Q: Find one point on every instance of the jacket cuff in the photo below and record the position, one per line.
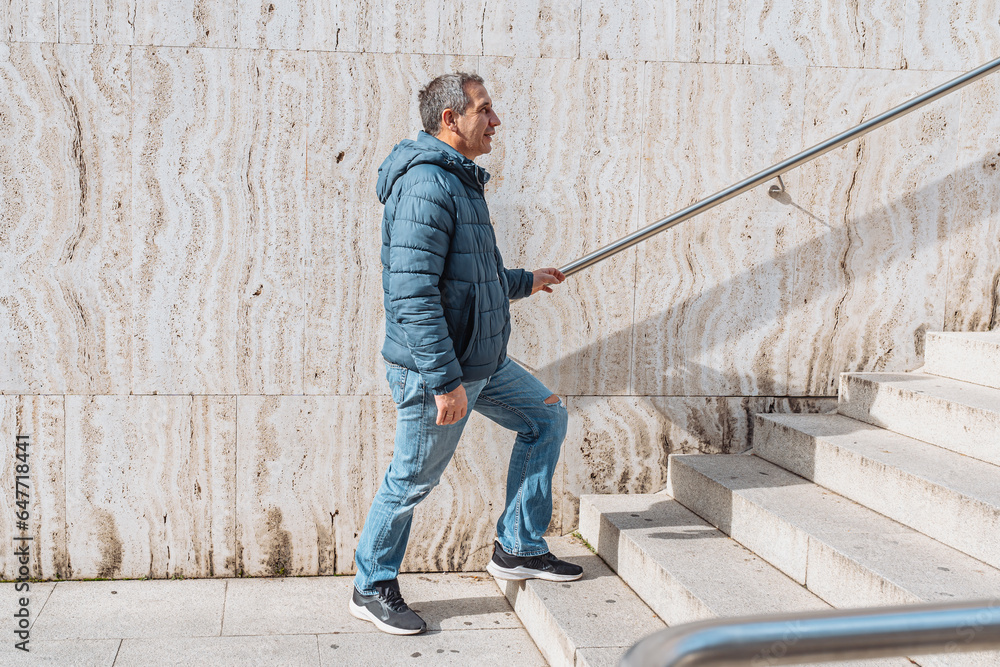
(527, 282)
(448, 388)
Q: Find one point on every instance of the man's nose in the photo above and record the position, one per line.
(495, 120)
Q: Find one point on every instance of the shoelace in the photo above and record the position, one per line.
(394, 600)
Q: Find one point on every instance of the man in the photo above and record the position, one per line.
(447, 324)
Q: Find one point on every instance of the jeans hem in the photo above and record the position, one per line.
(527, 554)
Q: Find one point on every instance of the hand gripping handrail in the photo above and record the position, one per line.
(826, 636)
(780, 168)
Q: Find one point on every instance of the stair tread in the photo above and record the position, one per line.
(927, 569)
(941, 467)
(988, 337)
(729, 579)
(971, 395)
(726, 578)
(599, 657)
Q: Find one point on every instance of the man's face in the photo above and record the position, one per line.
(477, 125)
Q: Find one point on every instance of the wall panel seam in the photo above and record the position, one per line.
(131, 204)
(237, 552)
(65, 502)
(638, 212)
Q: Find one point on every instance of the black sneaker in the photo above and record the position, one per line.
(387, 610)
(546, 566)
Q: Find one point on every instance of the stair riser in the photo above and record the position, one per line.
(689, 572)
(964, 523)
(543, 628)
(832, 576)
(960, 428)
(839, 581)
(774, 540)
(962, 359)
(601, 534)
(589, 622)
(664, 595)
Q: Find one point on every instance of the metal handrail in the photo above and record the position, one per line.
(827, 636)
(780, 168)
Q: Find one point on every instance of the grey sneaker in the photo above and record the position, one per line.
(545, 566)
(387, 610)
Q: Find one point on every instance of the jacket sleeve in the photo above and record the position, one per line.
(519, 281)
(422, 227)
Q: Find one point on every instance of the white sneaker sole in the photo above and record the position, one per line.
(365, 615)
(521, 573)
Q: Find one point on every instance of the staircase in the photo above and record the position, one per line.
(895, 499)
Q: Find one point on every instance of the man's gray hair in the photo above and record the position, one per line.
(445, 92)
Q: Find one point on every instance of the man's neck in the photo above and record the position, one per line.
(453, 140)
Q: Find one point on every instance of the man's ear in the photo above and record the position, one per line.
(448, 119)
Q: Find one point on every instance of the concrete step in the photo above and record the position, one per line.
(956, 415)
(967, 356)
(953, 498)
(685, 569)
(847, 554)
(586, 623)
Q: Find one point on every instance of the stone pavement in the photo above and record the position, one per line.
(282, 621)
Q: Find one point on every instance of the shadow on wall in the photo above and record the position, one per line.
(855, 334)
(622, 445)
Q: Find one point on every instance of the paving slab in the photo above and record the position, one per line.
(257, 651)
(37, 595)
(287, 621)
(133, 608)
(289, 605)
(294, 605)
(685, 569)
(953, 498)
(506, 647)
(967, 356)
(855, 557)
(597, 611)
(458, 601)
(62, 653)
(959, 416)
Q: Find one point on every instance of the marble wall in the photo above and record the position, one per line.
(190, 301)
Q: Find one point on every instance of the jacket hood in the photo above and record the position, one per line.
(426, 149)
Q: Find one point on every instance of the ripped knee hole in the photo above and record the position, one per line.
(552, 400)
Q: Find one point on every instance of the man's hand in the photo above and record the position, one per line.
(451, 406)
(546, 277)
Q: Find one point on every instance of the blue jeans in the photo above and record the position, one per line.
(511, 397)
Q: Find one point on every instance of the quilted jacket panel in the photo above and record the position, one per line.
(446, 290)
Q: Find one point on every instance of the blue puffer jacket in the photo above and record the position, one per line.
(447, 311)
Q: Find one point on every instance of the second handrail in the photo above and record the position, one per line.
(834, 635)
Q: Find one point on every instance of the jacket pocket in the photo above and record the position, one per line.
(472, 325)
